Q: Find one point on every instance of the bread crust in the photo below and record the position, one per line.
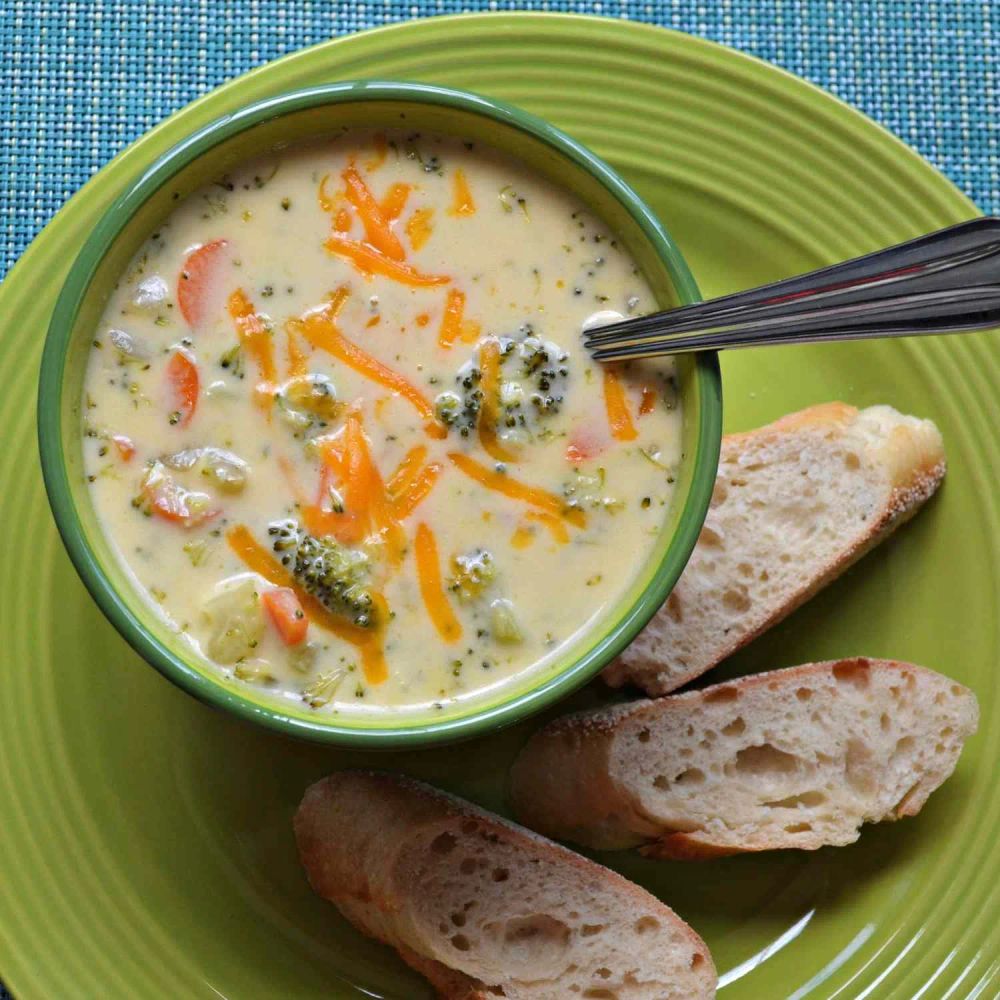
(913, 457)
(615, 818)
(351, 829)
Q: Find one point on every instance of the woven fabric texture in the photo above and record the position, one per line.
(80, 80)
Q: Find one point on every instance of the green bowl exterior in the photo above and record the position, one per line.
(286, 119)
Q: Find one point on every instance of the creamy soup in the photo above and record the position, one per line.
(340, 427)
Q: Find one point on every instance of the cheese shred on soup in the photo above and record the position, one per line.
(340, 427)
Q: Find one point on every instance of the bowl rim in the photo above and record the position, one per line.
(174, 666)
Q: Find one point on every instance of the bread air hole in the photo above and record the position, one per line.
(500, 874)
(735, 728)
(599, 993)
(603, 972)
(589, 930)
(852, 461)
(535, 943)
(692, 776)
(444, 843)
(854, 672)
(645, 924)
(799, 828)
(697, 960)
(736, 600)
(763, 760)
(807, 800)
(722, 694)
(461, 942)
(709, 537)
(803, 694)
(644, 736)
(859, 767)
(674, 609)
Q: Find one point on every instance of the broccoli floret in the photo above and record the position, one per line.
(473, 572)
(330, 572)
(544, 365)
(533, 375)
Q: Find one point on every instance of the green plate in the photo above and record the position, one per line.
(145, 846)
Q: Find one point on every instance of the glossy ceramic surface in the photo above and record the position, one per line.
(307, 114)
(145, 848)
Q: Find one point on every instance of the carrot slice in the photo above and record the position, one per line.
(368, 260)
(256, 338)
(502, 483)
(286, 614)
(461, 202)
(394, 201)
(369, 642)
(377, 231)
(489, 411)
(182, 374)
(431, 587)
(419, 228)
(619, 419)
(168, 499)
(197, 273)
(322, 332)
(297, 364)
(648, 402)
(454, 325)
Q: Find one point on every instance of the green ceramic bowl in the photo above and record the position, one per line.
(309, 114)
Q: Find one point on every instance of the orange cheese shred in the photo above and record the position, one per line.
(491, 479)
(369, 260)
(431, 586)
(616, 405)
(462, 203)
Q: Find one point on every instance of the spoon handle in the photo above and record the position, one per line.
(945, 282)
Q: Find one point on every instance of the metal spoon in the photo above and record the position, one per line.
(945, 282)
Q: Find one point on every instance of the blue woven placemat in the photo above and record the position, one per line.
(80, 80)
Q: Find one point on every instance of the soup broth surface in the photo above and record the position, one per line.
(340, 427)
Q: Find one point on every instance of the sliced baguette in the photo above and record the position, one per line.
(485, 909)
(793, 758)
(795, 504)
